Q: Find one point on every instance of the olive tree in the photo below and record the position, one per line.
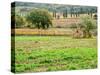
(87, 24)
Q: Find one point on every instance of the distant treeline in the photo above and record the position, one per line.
(57, 7)
(57, 10)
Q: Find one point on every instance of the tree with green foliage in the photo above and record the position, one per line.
(54, 14)
(40, 18)
(19, 21)
(87, 24)
(65, 13)
(71, 11)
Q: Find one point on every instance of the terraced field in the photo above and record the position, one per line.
(53, 53)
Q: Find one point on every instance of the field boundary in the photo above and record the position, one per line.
(50, 32)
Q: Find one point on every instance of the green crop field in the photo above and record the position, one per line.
(53, 53)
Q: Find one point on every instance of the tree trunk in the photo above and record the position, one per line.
(84, 34)
(89, 35)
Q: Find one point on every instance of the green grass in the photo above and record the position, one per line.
(52, 53)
